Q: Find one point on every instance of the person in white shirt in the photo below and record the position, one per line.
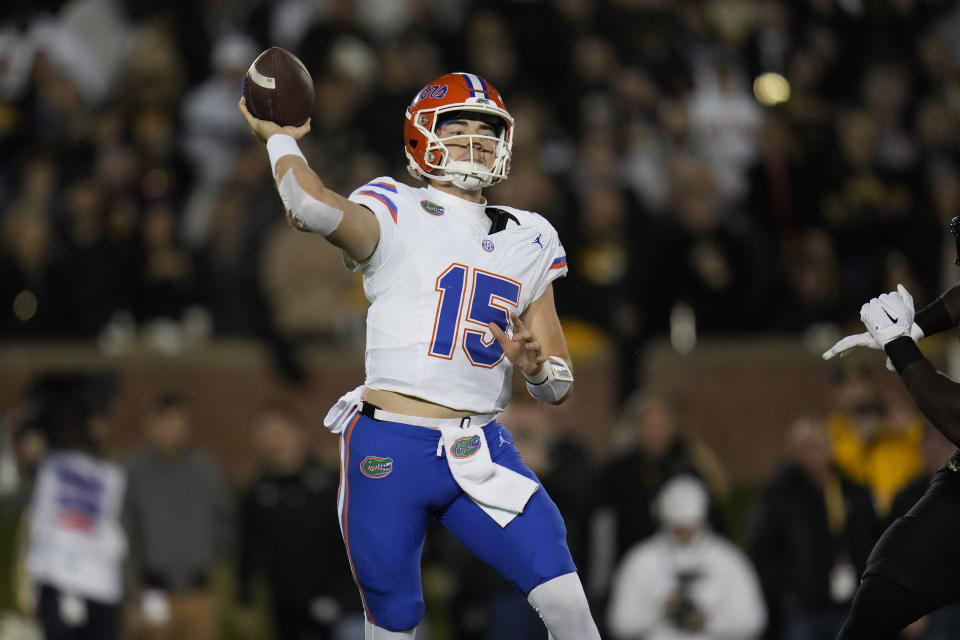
(76, 544)
(685, 582)
(461, 293)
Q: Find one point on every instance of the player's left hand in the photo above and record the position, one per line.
(890, 316)
(522, 348)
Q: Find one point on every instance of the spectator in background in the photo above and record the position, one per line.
(29, 443)
(809, 294)
(290, 534)
(604, 246)
(779, 201)
(874, 442)
(702, 255)
(33, 280)
(725, 121)
(94, 277)
(165, 284)
(212, 134)
(811, 531)
(685, 581)
(76, 545)
(181, 524)
(865, 207)
(651, 451)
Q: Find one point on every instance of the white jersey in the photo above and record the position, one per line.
(436, 278)
(76, 542)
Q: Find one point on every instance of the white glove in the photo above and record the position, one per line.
(845, 345)
(888, 317)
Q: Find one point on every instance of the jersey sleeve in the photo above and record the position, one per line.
(381, 197)
(554, 264)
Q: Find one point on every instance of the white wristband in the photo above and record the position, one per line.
(552, 382)
(279, 145)
(307, 213)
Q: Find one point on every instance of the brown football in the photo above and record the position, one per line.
(279, 88)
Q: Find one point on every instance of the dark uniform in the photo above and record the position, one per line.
(911, 570)
(290, 533)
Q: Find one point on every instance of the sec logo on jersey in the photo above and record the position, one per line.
(487, 245)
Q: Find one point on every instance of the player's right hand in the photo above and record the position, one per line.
(263, 129)
(845, 345)
(889, 316)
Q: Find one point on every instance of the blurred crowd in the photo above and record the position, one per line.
(713, 166)
(158, 542)
(717, 167)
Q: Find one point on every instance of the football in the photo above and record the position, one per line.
(278, 88)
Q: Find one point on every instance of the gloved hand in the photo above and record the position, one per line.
(847, 344)
(888, 317)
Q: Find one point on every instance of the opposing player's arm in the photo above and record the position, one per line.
(936, 396)
(941, 314)
(309, 204)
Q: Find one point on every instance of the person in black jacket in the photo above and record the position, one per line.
(655, 448)
(913, 568)
(290, 534)
(810, 534)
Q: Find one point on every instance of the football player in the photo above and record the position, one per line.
(913, 569)
(460, 294)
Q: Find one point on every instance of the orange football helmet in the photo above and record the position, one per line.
(427, 156)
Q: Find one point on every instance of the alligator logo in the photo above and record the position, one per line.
(431, 207)
(465, 447)
(374, 467)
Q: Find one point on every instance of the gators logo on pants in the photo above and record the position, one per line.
(465, 447)
(374, 467)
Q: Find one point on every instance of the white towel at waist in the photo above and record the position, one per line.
(340, 413)
(501, 492)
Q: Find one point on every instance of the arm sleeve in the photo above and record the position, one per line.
(379, 196)
(941, 314)
(936, 395)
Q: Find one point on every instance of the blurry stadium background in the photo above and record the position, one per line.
(731, 179)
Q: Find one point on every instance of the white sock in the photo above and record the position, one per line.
(373, 632)
(562, 605)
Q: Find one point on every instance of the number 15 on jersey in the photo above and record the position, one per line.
(489, 296)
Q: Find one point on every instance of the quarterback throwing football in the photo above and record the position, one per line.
(460, 293)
